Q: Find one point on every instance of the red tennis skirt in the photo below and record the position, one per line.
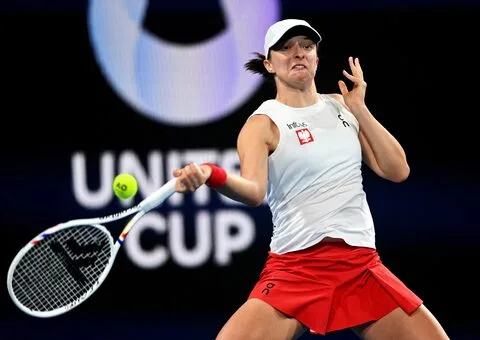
(332, 286)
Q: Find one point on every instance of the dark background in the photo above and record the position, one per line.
(422, 73)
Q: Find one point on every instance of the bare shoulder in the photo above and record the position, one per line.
(260, 118)
(258, 128)
(338, 97)
(258, 122)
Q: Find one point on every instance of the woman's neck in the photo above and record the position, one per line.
(297, 97)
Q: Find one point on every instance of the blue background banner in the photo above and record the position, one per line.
(144, 87)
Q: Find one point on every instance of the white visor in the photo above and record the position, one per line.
(278, 30)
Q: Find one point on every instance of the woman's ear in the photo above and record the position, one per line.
(268, 66)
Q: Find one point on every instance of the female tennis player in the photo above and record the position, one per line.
(304, 151)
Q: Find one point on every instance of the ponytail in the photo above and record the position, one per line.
(255, 65)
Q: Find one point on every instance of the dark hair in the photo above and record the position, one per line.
(255, 65)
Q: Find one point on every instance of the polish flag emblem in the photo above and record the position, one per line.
(304, 136)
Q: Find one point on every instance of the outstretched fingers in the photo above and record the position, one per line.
(355, 67)
(356, 76)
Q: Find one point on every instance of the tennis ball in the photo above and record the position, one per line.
(125, 186)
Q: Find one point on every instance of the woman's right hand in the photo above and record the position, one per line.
(191, 177)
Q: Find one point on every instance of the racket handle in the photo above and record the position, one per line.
(158, 196)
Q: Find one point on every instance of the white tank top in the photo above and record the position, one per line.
(314, 177)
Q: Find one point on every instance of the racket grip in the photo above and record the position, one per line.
(158, 196)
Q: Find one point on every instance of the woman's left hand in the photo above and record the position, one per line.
(356, 96)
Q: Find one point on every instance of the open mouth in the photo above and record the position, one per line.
(298, 67)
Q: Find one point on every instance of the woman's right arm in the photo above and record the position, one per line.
(253, 146)
(253, 143)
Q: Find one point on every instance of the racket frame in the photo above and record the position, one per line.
(150, 202)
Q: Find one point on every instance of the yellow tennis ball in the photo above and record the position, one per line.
(125, 186)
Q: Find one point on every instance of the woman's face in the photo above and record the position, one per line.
(295, 62)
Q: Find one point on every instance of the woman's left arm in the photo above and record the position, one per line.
(381, 151)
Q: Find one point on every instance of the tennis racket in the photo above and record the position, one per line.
(64, 265)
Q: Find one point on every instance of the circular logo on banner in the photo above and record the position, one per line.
(182, 85)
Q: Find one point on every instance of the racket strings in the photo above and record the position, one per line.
(62, 268)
